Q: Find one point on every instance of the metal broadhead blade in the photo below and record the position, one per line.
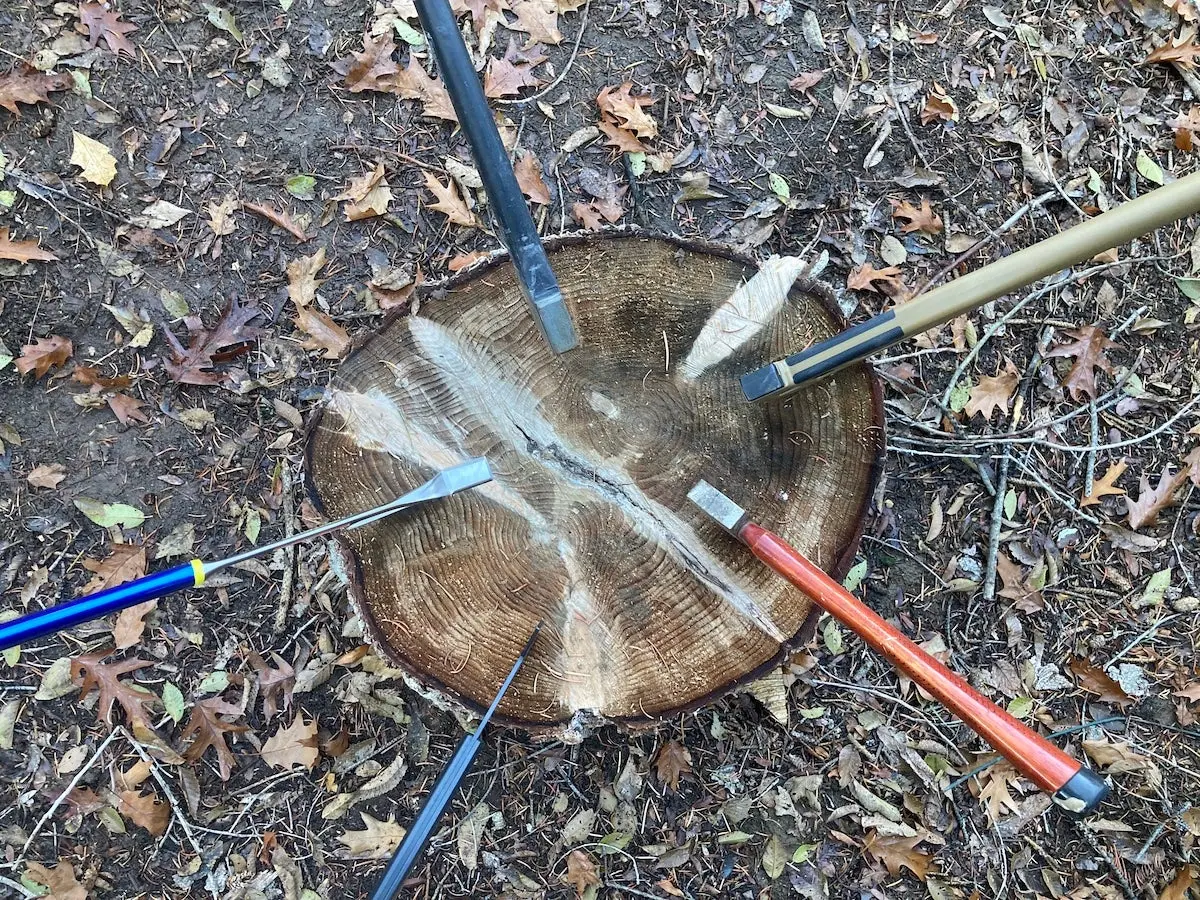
(472, 473)
(727, 513)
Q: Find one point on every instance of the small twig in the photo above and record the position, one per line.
(1089, 475)
(1094, 843)
(58, 801)
(289, 553)
(1172, 815)
(1144, 636)
(989, 573)
(18, 887)
(1066, 502)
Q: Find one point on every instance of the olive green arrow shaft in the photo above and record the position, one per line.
(1120, 225)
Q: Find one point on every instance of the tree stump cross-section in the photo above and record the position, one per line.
(649, 608)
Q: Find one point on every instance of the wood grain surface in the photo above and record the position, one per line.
(649, 608)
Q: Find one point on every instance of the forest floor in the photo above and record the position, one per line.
(294, 155)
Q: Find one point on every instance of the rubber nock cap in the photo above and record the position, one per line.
(1082, 793)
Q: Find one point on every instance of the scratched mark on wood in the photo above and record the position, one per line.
(649, 607)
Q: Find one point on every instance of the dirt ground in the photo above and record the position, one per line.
(774, 128)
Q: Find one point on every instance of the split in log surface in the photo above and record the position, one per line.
(649, 607)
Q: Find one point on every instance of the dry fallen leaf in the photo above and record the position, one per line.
(127, 409)
(992, 392)
(22, 251)
(1191, 466)
(367, 195)
(295, 745)
(374, 68)
(806, 81)
(449, 203)
(581, 872)
(102, 22)
(1151, 502)
(672, 762)
(538, 19)
(1180, 887)
(97, 162)
(60, 880)
(922, 219)
(1094, 680)
(131, 624)
(125, 563)
(414, 83)
(1183, 53)
(505, 79)
(1105, 485)
(939, 106)
(898, 853)
(275, 684)
(1016, 586)
(1117, 757)
(465, 260)
(193, 365)
(207, 729)
(145, 810)
(302, 278)
(277, 217)
(47, 475)
(529, 177)
(220, 215)
(994, 790)
(622, 109)
(1088, 350)
(378, 840)
(90, 671)
(865, 276)
(45, 354)
(324, 334)
(27, 85)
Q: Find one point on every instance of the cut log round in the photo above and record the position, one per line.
(649, 608)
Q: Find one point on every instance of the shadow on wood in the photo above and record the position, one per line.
(649, 609)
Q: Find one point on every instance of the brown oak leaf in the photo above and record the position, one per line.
(194, 365)
(302, 278)
(993, 392)
(539, 20)
(1180, 887)
(275, 684)
(127, 409)
(378, 840)
(27, 85)
(806, 81)
(1191, 466)
(922, 218)
(207, 729)
(47, 353)
(131, 624)
(505, 79)
(414, 83)
(1088, 352)
(939, 106)
(1016, 585)
(589, 215)
(864, 278)
(898, 853)
(90, 671)
(291, 746)
(529, 177)
(125, 563)
(373, 69)
(366, 196)
(673, 761)
(324, 334)
(581, 872)
(21, 251)
(621, 108)
(1151, 502)
(995, 790)
(625, 141)
(1094, 680)
(146, 810)
(449, 203)
(1183, 53)
(1105, 485)
(479, 10)
(61, 881)
(102, 22)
